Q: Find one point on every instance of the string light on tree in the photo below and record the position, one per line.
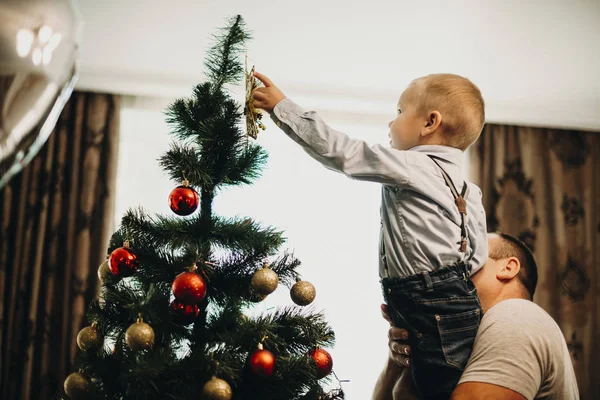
(183, 200)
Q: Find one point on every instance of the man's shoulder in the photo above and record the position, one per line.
(520, 346)
(521, 310)
(524, 319)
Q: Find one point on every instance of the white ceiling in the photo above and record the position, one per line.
(537, 62)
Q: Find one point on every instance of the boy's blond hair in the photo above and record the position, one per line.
(460, 103)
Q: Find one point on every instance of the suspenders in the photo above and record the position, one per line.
(461, 202)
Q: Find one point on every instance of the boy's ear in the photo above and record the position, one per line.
(432, 122)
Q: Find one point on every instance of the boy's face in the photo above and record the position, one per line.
(405, 130)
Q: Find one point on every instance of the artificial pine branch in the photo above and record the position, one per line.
(245, 235)
(172, 233)
(222, 61)
(182, 161)
(247, 167)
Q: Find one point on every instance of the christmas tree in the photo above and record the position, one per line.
(169, 322)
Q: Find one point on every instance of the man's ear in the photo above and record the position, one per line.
(432, 122)
(510, 268)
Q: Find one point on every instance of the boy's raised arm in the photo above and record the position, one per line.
(334, 149)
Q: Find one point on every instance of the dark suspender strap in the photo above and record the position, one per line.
(460, 201)
(446, 177)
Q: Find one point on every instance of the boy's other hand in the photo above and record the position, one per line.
(398, 341)
(266, 97)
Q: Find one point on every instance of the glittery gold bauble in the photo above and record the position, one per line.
(264, 281)
(103, 271)
(217, 389)
(89, 339)
(139, 336)
(303, 293)
(77, 386)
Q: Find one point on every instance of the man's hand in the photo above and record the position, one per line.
(266, 97)
(398, 341)
(395, 381)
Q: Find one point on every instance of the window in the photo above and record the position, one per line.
(331, 224)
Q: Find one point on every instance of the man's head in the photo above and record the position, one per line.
(510, 272)
(441, 109)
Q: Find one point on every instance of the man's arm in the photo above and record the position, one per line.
(395, 381)
(386, 382)
(481, 391)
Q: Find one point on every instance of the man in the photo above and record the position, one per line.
(519, 352)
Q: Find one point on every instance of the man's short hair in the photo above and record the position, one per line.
(460, 103)
(510, 246)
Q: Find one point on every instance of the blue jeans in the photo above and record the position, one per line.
(442, 312)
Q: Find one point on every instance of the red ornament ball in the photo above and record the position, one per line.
(183, 200)
(323, 360)
(262, 362)
(184, 314)
(189, 288)
(123, 262)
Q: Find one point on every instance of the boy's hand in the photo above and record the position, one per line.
(266, 97)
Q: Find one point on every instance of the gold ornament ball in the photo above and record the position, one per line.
(77, 386)
(106, 276)
(217, 389)
(103, 271)
(265, 281)
(89, 339)
(303, 293)
(139, 336)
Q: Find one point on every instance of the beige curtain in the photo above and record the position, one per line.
(543, 185)
(55, 222)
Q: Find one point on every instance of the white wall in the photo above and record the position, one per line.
(536, 61)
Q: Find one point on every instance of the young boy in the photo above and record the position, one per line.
(428, 246)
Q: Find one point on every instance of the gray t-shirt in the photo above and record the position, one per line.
(520, 347)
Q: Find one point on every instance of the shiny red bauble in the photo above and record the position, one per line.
(262, 362)
(183, 200)
(123, 262)
(323, 360)
(184, 314)
(189, 288)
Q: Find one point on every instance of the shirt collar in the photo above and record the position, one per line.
(451, 154)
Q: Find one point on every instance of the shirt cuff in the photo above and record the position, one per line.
(288, 113)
